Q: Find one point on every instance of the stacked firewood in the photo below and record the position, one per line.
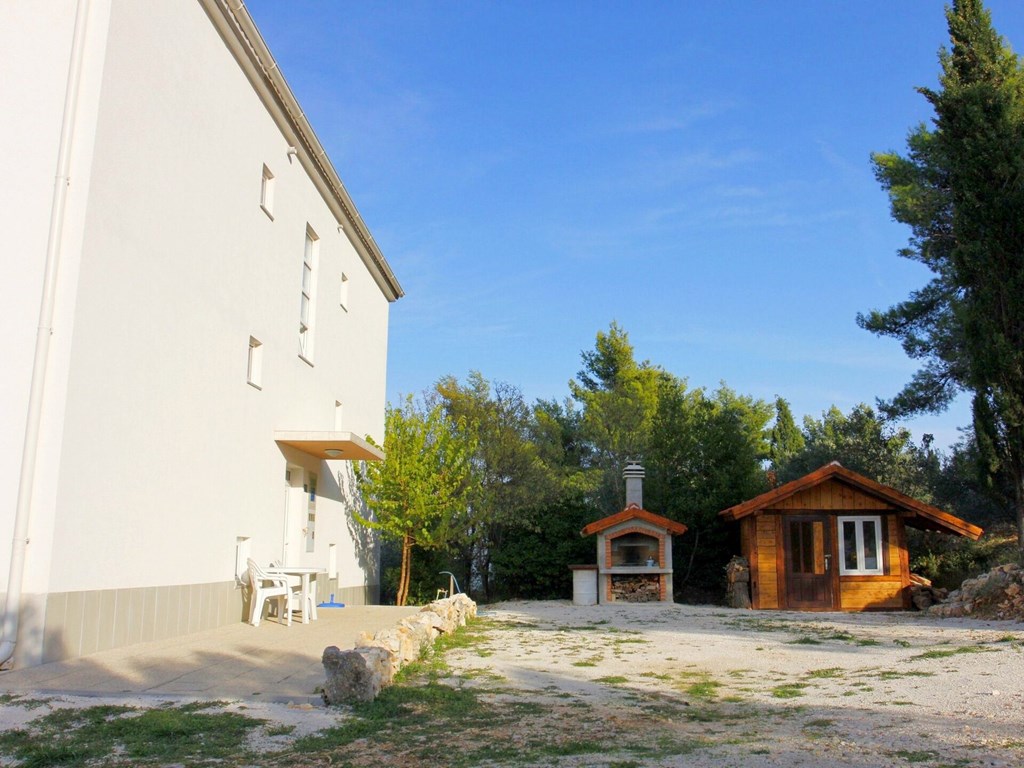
(636, 589)
(923, 594)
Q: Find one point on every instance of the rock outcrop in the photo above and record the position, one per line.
(359, 674)
(998, 594)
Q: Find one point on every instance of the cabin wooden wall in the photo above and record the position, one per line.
(761, 543)
(831, 496)
(889, 591)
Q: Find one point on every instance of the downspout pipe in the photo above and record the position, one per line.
(44, 331)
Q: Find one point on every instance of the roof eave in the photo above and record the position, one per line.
(239, 31)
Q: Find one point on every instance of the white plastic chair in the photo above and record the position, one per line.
(295, 600)
(266, 586)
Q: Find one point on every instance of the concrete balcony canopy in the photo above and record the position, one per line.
(330, 446)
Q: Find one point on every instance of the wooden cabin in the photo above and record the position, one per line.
(834, 540)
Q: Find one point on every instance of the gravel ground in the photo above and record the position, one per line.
(764, 688)
(626, 686)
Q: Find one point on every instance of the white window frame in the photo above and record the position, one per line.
(267, 192)
(307, 303)
(343, 292)
(254, 369)
(859, 522)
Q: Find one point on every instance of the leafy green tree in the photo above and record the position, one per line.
(864, 442)
(785, 440)
(508, 474)
(417, 491)
(534, 562)
(960, 188)
(706, 454)
(619, 398)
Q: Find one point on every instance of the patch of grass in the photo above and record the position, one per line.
(612, 680)
(656, 675)
(901, 643)
(827, 672)
(838, 635)
(281, 729)
(821, 722)
(944, 653)
(77, 737)
(403, 711)
(586, 662)
(805, 640)
(704, 690)
(788, 690)
(866, 641)
(17, 700)
(891, 674)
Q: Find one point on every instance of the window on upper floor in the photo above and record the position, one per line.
(307, 302)
(343, 293)
(860, 546)
(254, 374)
(267, 193)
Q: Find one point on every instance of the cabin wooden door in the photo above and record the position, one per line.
(808, 554)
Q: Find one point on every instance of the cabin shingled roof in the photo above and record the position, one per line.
(922, 515)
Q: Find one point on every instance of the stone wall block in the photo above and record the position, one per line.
(356, 675)
(359, 674)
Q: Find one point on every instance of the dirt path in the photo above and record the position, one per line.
(703, 686)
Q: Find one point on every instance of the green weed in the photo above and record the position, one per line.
(828, 672)
(944, 653)
(788, 690)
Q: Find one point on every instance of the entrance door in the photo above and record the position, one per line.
(295, 516)
(808, 544)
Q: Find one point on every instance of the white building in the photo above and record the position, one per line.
(212, 327)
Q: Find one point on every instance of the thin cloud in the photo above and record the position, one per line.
(679, 122)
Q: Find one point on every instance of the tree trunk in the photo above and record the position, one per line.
(403, 578)
(1019, 509)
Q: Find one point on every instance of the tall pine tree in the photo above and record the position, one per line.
(961, 190)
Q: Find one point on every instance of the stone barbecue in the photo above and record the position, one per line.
(634, 549)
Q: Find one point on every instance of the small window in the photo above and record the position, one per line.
(311, 514)
(306, 302)
(267, 193)
(343, 295)
(254, 374)
(860, 546)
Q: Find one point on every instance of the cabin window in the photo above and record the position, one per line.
(860, 546)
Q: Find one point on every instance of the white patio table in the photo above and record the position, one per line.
(307, 573)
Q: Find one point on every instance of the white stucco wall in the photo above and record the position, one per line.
(163, 455)
(35, 43)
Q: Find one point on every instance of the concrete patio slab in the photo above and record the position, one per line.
(271, 662)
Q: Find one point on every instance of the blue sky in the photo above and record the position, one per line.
(696, 171)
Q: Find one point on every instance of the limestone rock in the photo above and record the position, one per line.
(356, 675)
(998, 594)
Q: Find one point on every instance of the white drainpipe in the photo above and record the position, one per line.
(30, 449)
